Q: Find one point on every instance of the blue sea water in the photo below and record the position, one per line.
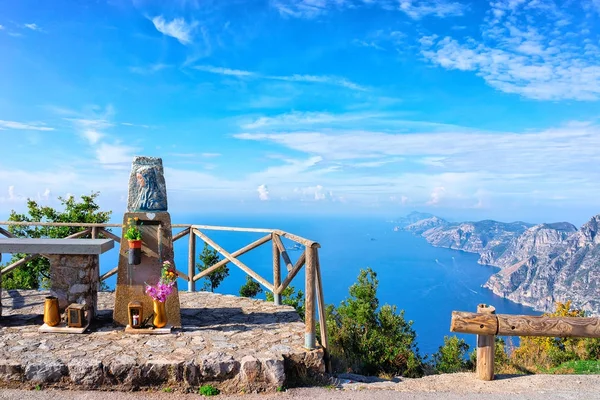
(425, 281)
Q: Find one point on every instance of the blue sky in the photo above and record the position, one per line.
(469, 109)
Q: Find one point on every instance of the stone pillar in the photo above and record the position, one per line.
(147, 203)
(74, 279)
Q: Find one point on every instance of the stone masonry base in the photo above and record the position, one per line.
(235, 344)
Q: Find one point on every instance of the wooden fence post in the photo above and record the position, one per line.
(191, 262)
(485, 348)
(309, 304)
(276, 271)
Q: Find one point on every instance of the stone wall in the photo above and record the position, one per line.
(75, 280)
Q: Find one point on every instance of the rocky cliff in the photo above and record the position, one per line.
(540, 264)
(563, 267)
(489, 237)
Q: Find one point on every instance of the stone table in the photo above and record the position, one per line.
(74, 266)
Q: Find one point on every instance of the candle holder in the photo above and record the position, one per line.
(136, 314)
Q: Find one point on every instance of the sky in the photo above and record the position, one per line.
(466, 109)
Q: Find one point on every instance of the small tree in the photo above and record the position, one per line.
(451, 357)
(35, 273)
(208, 258)
(251, 288)
(371, 341)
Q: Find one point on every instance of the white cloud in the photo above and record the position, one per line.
(330, 80)
(527, 48)
(223, 71)
(11, 193)
(508, 164)
(93, 136)
(371, 43)
(24, 126)
(436, 195)
(90, 129)
(177, 28)
(150, 69)
(316, 193)
(294, 119)
(417, 9)
(263, 192)
(115, 155)
(1, 27)
(33, 27)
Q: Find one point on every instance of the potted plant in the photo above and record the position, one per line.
(160, 292)
(133, 235)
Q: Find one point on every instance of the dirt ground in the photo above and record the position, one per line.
(462, 386)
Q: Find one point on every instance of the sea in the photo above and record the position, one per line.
(427, 282)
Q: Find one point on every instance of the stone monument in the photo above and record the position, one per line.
(147, 202)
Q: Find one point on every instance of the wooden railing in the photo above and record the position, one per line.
(309, 258)
(486, 324)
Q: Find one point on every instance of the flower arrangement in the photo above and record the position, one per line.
(132, 232)
(165, 285)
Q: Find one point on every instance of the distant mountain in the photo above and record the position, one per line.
(490, 237)
(560, 267)
(411, 218)
(426, 224)
(540, 264)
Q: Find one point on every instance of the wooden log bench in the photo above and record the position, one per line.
(74, 266)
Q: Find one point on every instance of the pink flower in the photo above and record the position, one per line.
(160, 291)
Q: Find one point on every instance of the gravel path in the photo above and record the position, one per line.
(461, 386)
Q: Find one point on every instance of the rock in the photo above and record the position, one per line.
(45, 371)
(250, 369)
(10, 370)
(540, 264)
(122, 369)
(274, 371)
(162, 370)
(86, 372)
(564, 266)
(218, 366)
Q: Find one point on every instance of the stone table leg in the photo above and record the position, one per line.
(75, 279)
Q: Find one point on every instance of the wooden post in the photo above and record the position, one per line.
(485, 348)
(309, 304)
(94, 232)
(191, 262)
(276, 271)
(322, 316)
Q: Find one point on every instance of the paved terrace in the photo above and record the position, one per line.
(236, 344)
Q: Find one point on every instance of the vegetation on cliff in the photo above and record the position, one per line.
(35, 273)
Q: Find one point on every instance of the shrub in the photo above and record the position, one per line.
(251, 288)
(291, 298)
(541, 353)
(35, 273)
(368, 340)
(451, 356)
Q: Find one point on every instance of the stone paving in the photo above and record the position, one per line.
(236, 344)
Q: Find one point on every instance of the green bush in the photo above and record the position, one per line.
(370, 340)
(35, 273)
(208, 390)
(451, 356)
(291, 298)
(251, 288)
